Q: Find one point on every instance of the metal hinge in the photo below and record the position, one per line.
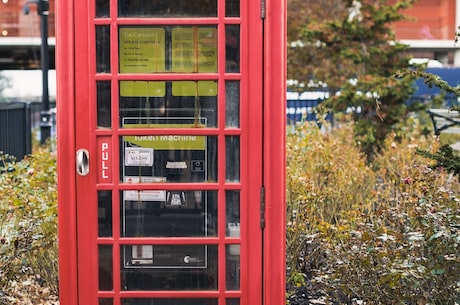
(262, 9)
(262, 207)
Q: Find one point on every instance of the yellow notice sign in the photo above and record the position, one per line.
(141, 50)
(169, 142)
(194, 49)
(142, 88)
(194, 88)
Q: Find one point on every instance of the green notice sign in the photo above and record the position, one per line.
(142, 50)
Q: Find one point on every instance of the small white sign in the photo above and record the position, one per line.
(142, 251)
(142, 255)
(146, 195)
(144, 179)
(176, 165)
(138, 156)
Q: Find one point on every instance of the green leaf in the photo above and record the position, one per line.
(436, 235)
(437, 271)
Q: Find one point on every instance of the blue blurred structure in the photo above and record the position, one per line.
(301, 106)
(425, 93)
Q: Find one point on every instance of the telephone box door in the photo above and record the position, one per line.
(161, 107)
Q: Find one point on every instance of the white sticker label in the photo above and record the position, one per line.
(142, 251)
(176, 165)
(146, 195)
(138, 156)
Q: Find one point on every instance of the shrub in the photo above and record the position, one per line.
(327, 182)
(28, 221)
(406, 252)
(398, 243)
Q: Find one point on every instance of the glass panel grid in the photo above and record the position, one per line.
(231, 10)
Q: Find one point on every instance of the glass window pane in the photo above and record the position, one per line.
(232, 102)
(105, 301)
(102, 8)
(105, 267)
(157, 49)
(105, 213)
(232, 8)
(169, 267)
(156, 104)
(232, 302)
(104, 112)
(232, 204)
(103, 48)
(167, 8)
(159, 213)
(232, 162)
(233, 267)
(168, 158)
(232, 48)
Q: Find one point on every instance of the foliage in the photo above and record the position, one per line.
(328, 43)
(317, 163)
(397, 244)
(28, 220)
(429, 79)
(445, 158)
(407, 253)
(354, 52)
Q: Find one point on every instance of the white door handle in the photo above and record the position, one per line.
(82, 162)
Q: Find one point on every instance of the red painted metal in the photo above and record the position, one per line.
(67, 227)
(274, 143)
(252, 146)
(262, 107)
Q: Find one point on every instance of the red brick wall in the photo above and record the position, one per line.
(434, 19)
(13, 22)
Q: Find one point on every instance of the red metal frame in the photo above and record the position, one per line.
(274, 143)
(67, 227)
(262, 70)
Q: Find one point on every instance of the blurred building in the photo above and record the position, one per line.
(431, 32)
(20, 39)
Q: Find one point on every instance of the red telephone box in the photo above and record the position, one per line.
(171, 132)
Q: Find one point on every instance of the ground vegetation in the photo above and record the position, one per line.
(387, 232)
(28, 229)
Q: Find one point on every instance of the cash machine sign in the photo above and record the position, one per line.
(138, 156)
